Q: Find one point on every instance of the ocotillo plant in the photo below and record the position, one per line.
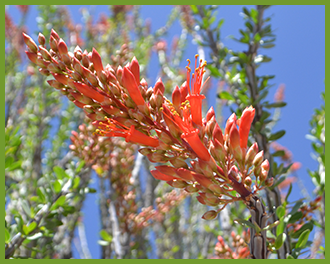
(198, 157)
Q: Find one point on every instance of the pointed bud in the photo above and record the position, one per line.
(230, 122)
(245, 125)
(160, 176)
(57, 85)
(210, 215)
(130, 84)
(30, 43)
(210, 114)
(159, 86)
(135, 69)
(97, 61)
(176, 97)
(53, 43)
(191, 188)
(41, 39)
(54, 34)
(61, 78)
(265, 165)
(177, 183)
(32, 56)
(258, 159)
(217, 134)
(62, 47)
(250, 155)
(89, 91)
(44, 53)
(269, 182)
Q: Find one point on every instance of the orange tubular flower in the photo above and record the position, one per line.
(245, 125)
(190, 134)
(132, 87)
(195, 98)
(113, 128)
(161, 176)
(89, 91)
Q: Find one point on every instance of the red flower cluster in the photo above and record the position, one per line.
(121, 104)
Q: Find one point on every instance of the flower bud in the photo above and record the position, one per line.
(177, 183)
(191, 188)
(250, 155)
(269, 182)
(176, 98)
(30, 43)
(210, 215)
(265, 165)
(97, 61)
(159, 86)
(41, 39)
(62, 47)
(258, 159)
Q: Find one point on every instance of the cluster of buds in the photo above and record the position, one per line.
(99, 152)
(239, 247)
(121, 104)
(113, 154)
(150, 215)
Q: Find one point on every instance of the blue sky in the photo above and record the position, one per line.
(298, 61)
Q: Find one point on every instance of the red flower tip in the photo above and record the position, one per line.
(30, 43)
(61, 78)
(159, 86)
(89, 91)
(217, 134)
(245, 125)
(54, 34)
(97, 61)
(234, 137)
(196, 144)
(184, 91)
(176, 97)
(32, 56)
(210, 114)
(135, 69)
(132, 87)
(161, 176)
(61, 46)
(231, 120)
(136, 136)
(185, 174)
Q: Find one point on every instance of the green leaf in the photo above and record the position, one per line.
(280, 240)
(303, 238)
(57, 186)
(307, 226)
(278, 153)
(226, 96)
(295, 217)
(7, 236)
(277, 104)
(254, 15)
(31, 227)
(276, 135)
(280, 211)
(60, 173)
(76, 182)
(59, 202)
(105, 236)
(243, 222)
(194, 9)
(40, 193)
